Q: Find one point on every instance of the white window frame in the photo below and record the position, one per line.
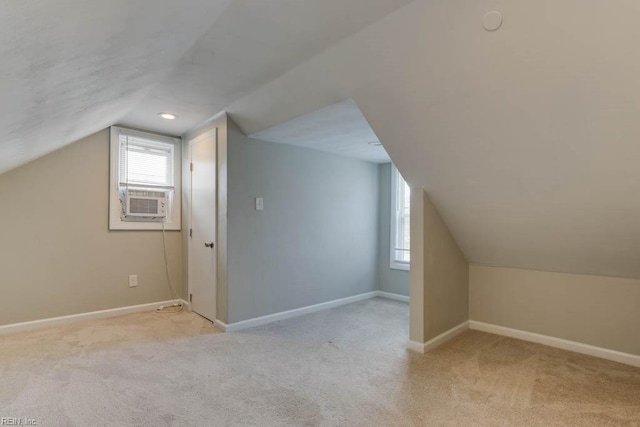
(174, 218)
(396, 180)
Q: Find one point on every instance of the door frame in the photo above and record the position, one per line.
(189, 194)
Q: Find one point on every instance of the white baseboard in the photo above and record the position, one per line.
(439, 340)
(416, 346)
(392, 296)
(603, 353)
(63, 320)
(221, 325)
(270, 318)
(446, 336)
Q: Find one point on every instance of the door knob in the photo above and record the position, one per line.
(208, 244)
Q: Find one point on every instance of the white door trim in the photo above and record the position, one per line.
(189, 194)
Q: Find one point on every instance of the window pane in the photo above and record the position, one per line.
(406, 238)
(147, 168)
(401, 240)
(406, 196)
(145, 162)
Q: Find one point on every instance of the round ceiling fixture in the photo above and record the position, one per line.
(492, 20)
(168, 116)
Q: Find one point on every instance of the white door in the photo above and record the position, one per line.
(202, 228)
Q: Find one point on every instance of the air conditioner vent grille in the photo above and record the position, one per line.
(143, 206)
(139, 205)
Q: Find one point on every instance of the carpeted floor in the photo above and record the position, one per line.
(342, 367)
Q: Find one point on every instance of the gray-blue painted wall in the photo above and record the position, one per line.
(316, 239)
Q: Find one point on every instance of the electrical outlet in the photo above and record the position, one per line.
(133, 280)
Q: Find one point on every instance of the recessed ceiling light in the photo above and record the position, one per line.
(168, 116)
(375, 143)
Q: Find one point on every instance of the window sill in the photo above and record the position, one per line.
(399, 266)
(143, 226)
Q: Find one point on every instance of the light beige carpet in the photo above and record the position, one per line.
(341, 367)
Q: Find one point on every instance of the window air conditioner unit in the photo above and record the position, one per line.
(143, 203)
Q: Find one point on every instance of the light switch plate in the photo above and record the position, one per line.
(133, 280)
(259, 203)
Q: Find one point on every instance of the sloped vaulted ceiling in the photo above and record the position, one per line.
(526, 138)
(69, 68)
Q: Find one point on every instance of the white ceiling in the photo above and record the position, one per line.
(527, 139)
(339, 129)
(72, 67)
(250, 44)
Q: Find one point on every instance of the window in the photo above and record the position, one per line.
(400, 221)
(145, 173)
